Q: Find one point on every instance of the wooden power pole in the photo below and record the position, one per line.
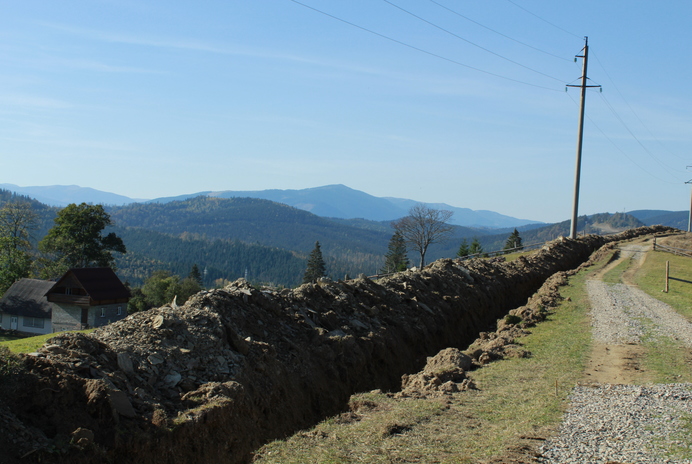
(580, 136)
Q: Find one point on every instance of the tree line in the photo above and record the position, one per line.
(84, 235)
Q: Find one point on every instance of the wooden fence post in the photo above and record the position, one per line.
(667, 275)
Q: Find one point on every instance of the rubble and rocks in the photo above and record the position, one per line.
(211, 380)
(444, 373)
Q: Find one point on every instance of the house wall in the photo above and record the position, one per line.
(66, 317)
(46, 329)
(105, 314)
(5, 323)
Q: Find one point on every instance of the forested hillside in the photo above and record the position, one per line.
(347, 249)
(677, 219)
(45, 213)
(269, 242)
(148, 251)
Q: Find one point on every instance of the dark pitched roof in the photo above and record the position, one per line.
(100, 283)
(27, 297)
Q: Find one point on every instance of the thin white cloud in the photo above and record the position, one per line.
(197, 45)
(33, 101)
(97, 66)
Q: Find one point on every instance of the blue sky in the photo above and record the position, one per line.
(438, 101)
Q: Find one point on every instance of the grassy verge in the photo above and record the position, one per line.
(516, 397)
(30, 344)
(7, 338)
(651, 279)
(614, 276)
(665, 360)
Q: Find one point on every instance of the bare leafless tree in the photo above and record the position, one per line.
(424, 226)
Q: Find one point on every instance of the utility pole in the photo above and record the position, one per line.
(580, 136)
(689, 219)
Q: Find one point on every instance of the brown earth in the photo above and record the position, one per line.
(212, 380)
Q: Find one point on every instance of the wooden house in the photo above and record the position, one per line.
(82, 298)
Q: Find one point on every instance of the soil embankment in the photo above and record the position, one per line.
(212, 380)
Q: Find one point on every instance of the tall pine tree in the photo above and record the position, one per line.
(464, 249)
(514, 242)
(316, 267)
(396, 258)
(196, 275)
(475, 248)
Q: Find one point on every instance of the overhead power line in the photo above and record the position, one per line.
(421, 50)
(545, 20)
(499, 33)
(634, 112)
(648, 152)
(469, 42)
(618, 148)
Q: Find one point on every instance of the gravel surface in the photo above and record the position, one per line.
(626, 423)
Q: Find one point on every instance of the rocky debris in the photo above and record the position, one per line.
(213, 379)
(502, 343)
(444, 373)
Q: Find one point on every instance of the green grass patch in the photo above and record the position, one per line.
(651, 278)
(680, 448)
(614, 276)
(4, 337)
(516, 397)
(519, 396)
(666, 360)
(31, 344)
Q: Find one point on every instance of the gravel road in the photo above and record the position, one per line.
(626, 423)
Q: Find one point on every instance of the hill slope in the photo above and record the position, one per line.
(340, 201)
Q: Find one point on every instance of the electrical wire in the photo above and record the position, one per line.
(648, 152)
(618, 148)
(500, 33)
(469, 42)
(545, 20)
(634, 112)
(421, 50)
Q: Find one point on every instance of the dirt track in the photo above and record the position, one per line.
(615, 358)
(611, 419)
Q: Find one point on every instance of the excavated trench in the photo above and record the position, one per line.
(233, 368)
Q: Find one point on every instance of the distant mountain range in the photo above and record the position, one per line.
(268, 241)
(63, 195)
(334, 201)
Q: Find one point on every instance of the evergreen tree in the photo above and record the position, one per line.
(316, 267)
(196, 275)
(475, 248)
(464, 249)
(396, 259)
(514, 242)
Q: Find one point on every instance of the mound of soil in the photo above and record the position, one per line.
(214, 379)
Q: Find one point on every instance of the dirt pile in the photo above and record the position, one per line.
(212, 380)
